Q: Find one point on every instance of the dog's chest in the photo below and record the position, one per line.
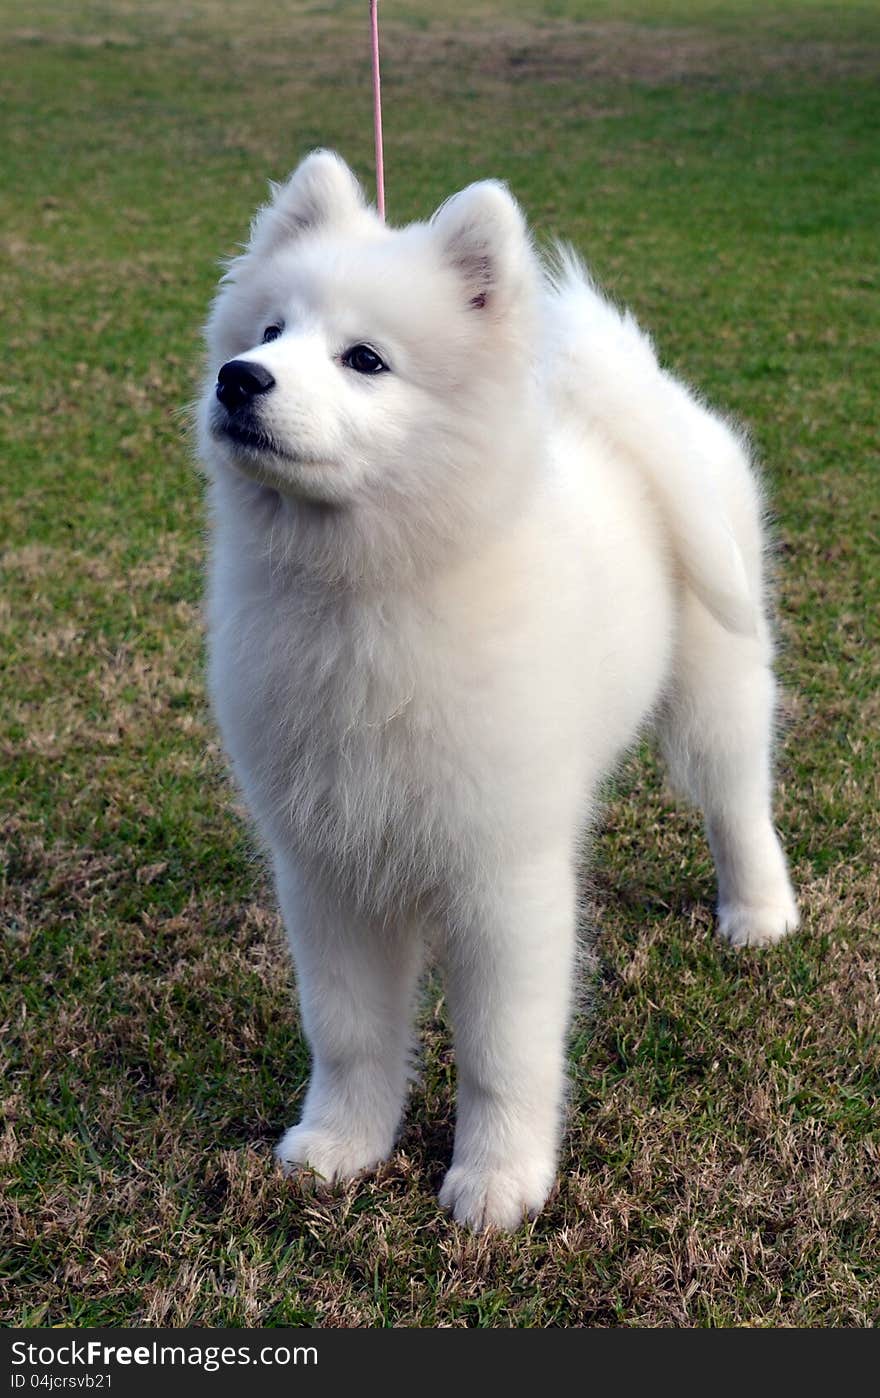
(348, 729)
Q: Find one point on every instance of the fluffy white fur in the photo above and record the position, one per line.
(443, 599)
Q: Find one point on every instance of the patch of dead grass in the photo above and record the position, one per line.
(496, 46)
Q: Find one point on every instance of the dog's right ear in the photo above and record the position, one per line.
(321, 192)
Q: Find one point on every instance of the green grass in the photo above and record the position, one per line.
(717, 166)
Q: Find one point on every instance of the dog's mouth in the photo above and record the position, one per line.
(262, 457)
(254, 438)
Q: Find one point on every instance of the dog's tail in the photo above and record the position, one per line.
(610, 368)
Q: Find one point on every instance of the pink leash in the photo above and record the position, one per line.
(377, 109)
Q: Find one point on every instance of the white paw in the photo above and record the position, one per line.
(307, 1148)
(495, 1198)
(743, 925)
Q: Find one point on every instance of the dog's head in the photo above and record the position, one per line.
(351, 364)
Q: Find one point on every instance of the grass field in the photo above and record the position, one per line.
(717, 165)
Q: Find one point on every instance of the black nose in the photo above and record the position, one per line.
(241, 380)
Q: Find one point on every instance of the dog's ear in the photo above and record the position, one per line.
(321, 192)
(483, 236)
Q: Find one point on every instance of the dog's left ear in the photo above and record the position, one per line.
(483, 235)
(321, 192)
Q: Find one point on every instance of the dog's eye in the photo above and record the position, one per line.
(271, 333)
(364, 360)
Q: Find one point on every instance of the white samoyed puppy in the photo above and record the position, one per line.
(467, 538)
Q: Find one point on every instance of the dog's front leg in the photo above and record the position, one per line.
(510, 972)
(356, 988)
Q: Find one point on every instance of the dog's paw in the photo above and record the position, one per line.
(305, 1148)
(761, 925)
(503, 1198)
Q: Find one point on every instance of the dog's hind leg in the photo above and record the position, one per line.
(717, 731)
(357, 986)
